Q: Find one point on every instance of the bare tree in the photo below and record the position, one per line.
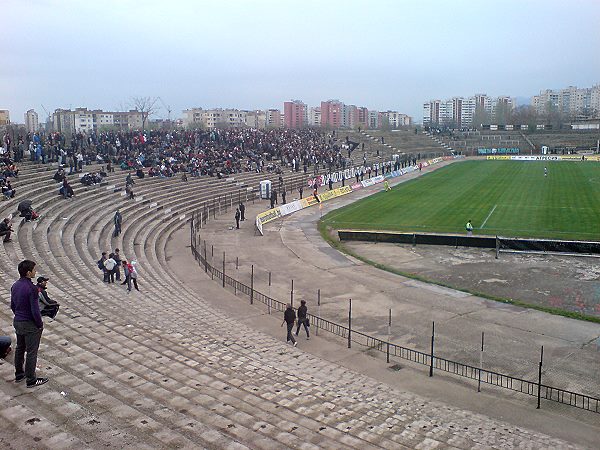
(146, 106)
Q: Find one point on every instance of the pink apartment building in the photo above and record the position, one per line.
(295, 114)
(331, 113)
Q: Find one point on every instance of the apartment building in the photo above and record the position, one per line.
(469, 111)
(84, 120)
(213, 118)
(256, 119)
(295, 114)
(31, 121)
(362, 117)
(331, 113)
(192, 117)
(314, 116)
(571, 101)
(397, 119)
(274, 118)
(374, 119)
(4, 117)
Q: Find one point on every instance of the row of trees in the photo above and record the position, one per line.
(527, 115)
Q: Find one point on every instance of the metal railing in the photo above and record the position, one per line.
(433, 361)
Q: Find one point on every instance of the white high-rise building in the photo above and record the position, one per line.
(314, 116)
(461, 112)
(31, 121)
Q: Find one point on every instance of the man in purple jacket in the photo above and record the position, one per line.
(24, 301)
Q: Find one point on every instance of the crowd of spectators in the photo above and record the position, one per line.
(218, 152)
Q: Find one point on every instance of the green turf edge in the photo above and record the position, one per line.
(325, 231)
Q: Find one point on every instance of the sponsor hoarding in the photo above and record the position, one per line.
(328, 195)
(535, 158)
(291, 207)
(498, 151)
(309, 201)
(269, 215)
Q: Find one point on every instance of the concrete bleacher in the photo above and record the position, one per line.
(568, 140)
(395, 142)
(468, 142)
(162, 368)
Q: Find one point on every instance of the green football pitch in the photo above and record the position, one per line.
(505, 198)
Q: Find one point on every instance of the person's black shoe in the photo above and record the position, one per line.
(19, 379)
(38, 382)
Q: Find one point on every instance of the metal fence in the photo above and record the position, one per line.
(430, 359)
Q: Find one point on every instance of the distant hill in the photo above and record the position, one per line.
(523, 100)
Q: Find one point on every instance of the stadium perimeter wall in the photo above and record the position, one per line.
(502, 244)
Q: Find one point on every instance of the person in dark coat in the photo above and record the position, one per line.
(303, 318)
(117, 221)
(242, 212)
(289, 318)
(6, 229)
(28, 323)
(237, 218)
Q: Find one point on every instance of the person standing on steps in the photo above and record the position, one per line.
(300, 190)
(303, 319)
(242, 211)
(25, 304)
(134, 274)
(117, 221)
(117, 258)
(101, 266)
(289, 318)
(110, 265)
(131, 275)
(127, 280)
(237, 218)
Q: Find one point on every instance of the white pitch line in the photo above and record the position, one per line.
(488, 216)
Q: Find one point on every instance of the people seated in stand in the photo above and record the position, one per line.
(28, 214)
(66, 190)
(6, 229)
(48, 307)
(90, 179)
(59, 175)
(7, 190)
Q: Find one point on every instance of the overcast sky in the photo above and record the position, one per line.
(256, 54)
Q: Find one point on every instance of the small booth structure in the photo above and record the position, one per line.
(265, 189)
